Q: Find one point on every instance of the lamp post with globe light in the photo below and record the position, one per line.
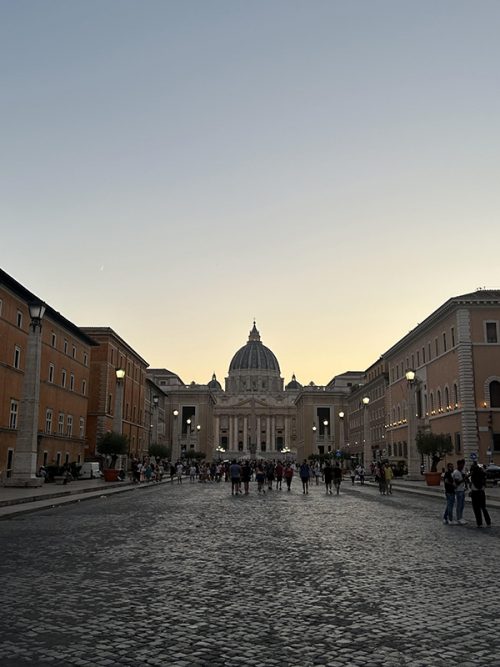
(367, 449)
(413, 456)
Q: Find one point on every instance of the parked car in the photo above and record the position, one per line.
(90, 470)
(492, 472)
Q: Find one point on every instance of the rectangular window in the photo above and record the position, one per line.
(69, 426)
(110, 404)
(418, 358)
(48, 421)
(53, 340)
(51, 372)
(19, 319)
(73, 352)
(17, 357)
(436, 346)
(82, 427)
(452, 336)
(84, 387)
(58, 459)
(60, 424)
(65, 346)
(429, 351)
(444, 342)
(63, 378)
(85, 359)
(423, 355)
(13, 414)
(72, 382)
(1, 304)
(491, 332)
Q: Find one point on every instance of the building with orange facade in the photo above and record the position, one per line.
(64, 379)
(117, 404)
(454, 384)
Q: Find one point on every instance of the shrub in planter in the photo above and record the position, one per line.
(435, 445)
(112, 445)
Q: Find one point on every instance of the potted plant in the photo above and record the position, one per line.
(111, 446)
(436, 446)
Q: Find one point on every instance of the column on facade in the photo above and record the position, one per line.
(273, 432)
(236, 432)
(287, 431)
(268, 433)
(245, 433)
(257, 435)
(230, 436)
(217, 432)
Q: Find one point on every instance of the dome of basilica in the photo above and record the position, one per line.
(254, 356)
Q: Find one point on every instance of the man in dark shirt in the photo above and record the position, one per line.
(449, 489)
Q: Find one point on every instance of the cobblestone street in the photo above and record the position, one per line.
(189, 575)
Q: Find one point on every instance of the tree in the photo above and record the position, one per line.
(435, 445)
(112, 444)
(161, 451)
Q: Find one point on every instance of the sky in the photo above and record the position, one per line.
(176, 169)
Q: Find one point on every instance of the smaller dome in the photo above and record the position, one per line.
(214, 384)
(293, 385)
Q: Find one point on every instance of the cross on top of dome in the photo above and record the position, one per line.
(254, 334)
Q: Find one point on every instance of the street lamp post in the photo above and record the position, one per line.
(156, 401)
(24, 467)
(341, 431)
(118, 416)
(367, 449)
(325, 432)
(175, 443)
(413, 457)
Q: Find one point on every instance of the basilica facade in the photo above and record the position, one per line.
(255, 415)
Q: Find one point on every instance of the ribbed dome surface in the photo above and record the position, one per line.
(254, 356)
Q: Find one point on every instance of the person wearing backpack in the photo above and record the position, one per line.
(478, 496)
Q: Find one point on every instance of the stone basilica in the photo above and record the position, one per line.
(256, 415)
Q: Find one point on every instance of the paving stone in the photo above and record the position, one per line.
(184, 575)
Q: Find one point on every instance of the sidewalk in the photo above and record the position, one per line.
(421, 488)
(14, 501)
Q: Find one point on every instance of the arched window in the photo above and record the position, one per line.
(439, 399)
(432, 404)
(446, 397)
(455, 395)
(495, 394)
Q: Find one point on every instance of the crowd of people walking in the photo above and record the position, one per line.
(276, 475)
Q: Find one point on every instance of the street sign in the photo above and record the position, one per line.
(473, 456)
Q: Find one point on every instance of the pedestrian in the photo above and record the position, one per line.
(192, 472)
(288, 474)
(305, 474)
(460, 479)
(246, 475)
(235, 474)
(389, 476)
(478, 496)
(449, 489)
(279, 475)
(337, 477)
(361, 474)
(179, 468)
(328, 477)
(380, 477)
(353, 475)
(260, 477)
(270, 475)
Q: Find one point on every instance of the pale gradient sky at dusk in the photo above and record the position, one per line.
(175, 169)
